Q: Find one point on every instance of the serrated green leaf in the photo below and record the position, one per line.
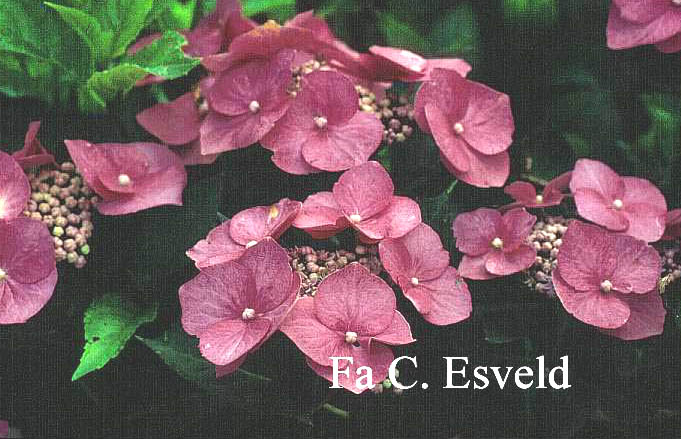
(164, 57)
(85, 25)
(128, 17)
(278, 9)
(104, 87)
(173, 14)
(399, 33)
(109, 324)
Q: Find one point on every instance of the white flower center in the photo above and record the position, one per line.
(250, 244)
(355, 218)
(320, 121)
(248, 314)
(124, 180)
(606, 286)
(617, 204)
(497, 243)
(3, 275)
(414, 281)
(539, 199)
(458, 128)
(254, 106)
(350, 337)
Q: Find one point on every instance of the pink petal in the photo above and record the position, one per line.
(485, 170)
(377, 357)
(586, 256)
(593, 206)
(221, 133)
(450, 300)
(488, 122)
(638, 265)
(228, 340)
(230, 368)
(673, 225)
(364, 190)
(15, 189)
(515, 227)
(418, 254)
(275, 280)
(458, 65)
(343, 146)
(646, 318)
(397, 333)
(353, 299)
(174, 123)
(218, 247)
(474, 231)
(26, 250)
(394, 64)
(33, 153)
(190, 154)
(505, 263)
(645, 208)
(630, 28)
(286, 140)
(321, 216)
(252, 225)
(451, 145)
(522, 192)
(671, 45)
(442, 83)
(400, 217)
(217, 293)
(329, 94)
(592, 307)
(473, 267)
(21, 301)
(597, 177)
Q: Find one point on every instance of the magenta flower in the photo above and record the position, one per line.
(629, 205)
(28, 271)
(129, 177)
(247, 99)
(673, 225)
(471, 124)
(525, 194)
(229, 240)
(353, 315)
(324, 129)
(362, 198)
(637, 22)
(233, 308)
(4, 429)
(33, 153)
(494, 245)
(15, 189)
(610, 281)
(419, 264)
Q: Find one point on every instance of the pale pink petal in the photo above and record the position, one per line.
(191, 154)
(646, 318)
(638, 265)
(33, 153)
(460, 66)
(598, 177)
(19, 301)
(329, 94)
(230, 368)
(515, 227)
(505, 263)
(450, 300)
(15, 189)
(286, 140)
(252, 225)
(645, 208)
(174, 123)
(451, 145)
(221, 133)
(228, 340)
(218, 247)
(321, 216)
(522, 192)
(474, 231)
(26, 250)
(488, 124)
(443, 83)
(473, 267)
(400, 217)
(586, 256)
(397, 333)
(485, 170)
(593, 206)
(364, 190)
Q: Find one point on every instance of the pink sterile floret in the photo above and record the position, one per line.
(471, 124)
(610, 281)
(637, 22)
(419, 264)
(230, 239)
(234, 307)
(525, 194)
(353, 314)
(324, 129)
(245, 102)
(494, 245)
(129, 177)
(363, 198)
(629, 205)
(33, 153)
(28, 272)
(15, 189)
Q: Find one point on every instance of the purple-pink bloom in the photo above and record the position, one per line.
(672, 228)
(494, 245)
(234, 307)
(129, 177)
(362, 198)
(33, 153)
(629, 205)
(15, 189)
(610, 281)
(471, 124)
(525, 194)
(28, 271)
(353, 314)
(4, 428)
(634, 23)
(419, 264)
(324, 129)
(246, 100)
(229, 240)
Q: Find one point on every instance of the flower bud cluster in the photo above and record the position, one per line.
(314, 265)
(546, 237)
(671, 264)
(396, 113)
(386, 386)
(302, 70)
(63, 202)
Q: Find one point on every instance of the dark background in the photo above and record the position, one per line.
(571, 98)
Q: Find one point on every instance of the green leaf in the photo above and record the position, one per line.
(457, 34)
(542, 12)
(128, 17)
(85, 25)
(173, 14)
(109, 324)
(164, 57)
(279, 9)
(399, 33)
(104, 87)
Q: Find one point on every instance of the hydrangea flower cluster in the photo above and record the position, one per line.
(636, 23)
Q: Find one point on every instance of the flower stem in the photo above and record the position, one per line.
(533, 179)
(335, 410)
(451, 187)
